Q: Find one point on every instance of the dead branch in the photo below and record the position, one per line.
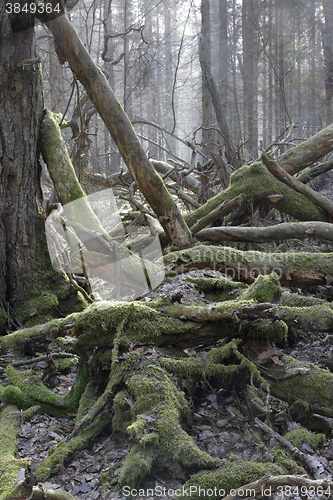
(288, 179)
(314, 467)
(279, 232)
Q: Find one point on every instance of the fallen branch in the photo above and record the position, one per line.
(279, 232)
(308, 152)
(288, 179)
(221, 211)
(312, 464)
(293, 268)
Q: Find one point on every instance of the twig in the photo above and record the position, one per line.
(60, 355)
(310, 462)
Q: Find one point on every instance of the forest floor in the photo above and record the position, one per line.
(220, 427)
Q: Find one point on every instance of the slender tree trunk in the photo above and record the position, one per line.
(250, 61)
(207, 107)
(328, 57)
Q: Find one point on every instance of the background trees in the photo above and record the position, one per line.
(271, 61)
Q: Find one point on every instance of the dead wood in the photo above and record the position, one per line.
(311, 464)
(314, 172)
(221, 211)
(279, 232)
(121, 129)
(288, 179)
(257, 184)
(269, 484)
(293, 268)
(308, 152)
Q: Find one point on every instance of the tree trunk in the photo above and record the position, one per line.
(21, 109)
(328, 58)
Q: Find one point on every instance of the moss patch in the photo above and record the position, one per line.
(299, 436)
(9, 466)
(26, 390)
(230, 476)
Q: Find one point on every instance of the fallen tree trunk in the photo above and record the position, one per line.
(279, 232)
(298, 186)
(308, 152)
(292, 268)
(314, 172)
(255, 183)
(139, 396)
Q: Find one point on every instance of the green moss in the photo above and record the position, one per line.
(63, 364)
(226, 258)
(284, 459)
(25, 390)
(100, 321)
(136, 429)
(218, 289)
(157, 400)
(256, 183)
(264, 289)
(9, 466)
(296, 300)
(73, 397)
(87, 400)
(301, 435)
(230, 476)
(138, 462)
(265, 329)
(301, 381)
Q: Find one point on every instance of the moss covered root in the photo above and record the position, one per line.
(9, 466)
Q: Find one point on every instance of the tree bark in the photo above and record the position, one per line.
(21, 108)
(120, 127)
(279, 232)
(255, 183)
(217, 103)
(293, 269)
(288, 179)
(308, 152)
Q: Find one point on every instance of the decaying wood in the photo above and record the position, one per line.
(308, 152)
(279, 232)
(256, 184)
(288, 179)
(311, 464)
(292, 268)
(314, 172)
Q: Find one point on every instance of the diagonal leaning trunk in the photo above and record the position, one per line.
(99, 91)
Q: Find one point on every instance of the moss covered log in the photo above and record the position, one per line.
(256, 183)
(9, 466)
(279, 232)
(293, 268)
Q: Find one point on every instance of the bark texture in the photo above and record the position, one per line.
(21, 108)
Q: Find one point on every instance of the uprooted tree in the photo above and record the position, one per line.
(129, 378)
